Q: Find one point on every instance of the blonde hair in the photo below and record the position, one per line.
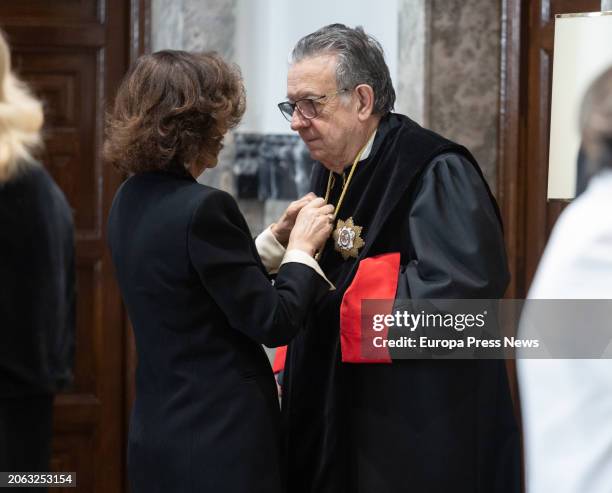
(21, 118)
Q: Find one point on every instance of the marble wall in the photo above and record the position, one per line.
(464, 76)
(194, 25)
(448, 80)
(412, 88)
(449, 72)
(200, 25)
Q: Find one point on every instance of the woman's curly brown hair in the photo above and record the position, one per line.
(172, 111)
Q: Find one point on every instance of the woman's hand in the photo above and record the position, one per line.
(282, 228)
(312, 227)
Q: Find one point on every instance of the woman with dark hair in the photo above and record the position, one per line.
(37, 282)
(206, 413)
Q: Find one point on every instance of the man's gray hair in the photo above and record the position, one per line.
(596, 122)
(360, 60)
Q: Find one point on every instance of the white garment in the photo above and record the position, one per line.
(273, 255)
(567, 404)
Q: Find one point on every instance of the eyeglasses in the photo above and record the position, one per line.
(306, 106)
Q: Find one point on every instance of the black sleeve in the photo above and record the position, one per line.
(224, 255)
(65, 335)
(457, 240)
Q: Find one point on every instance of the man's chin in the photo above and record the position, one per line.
(315, 153)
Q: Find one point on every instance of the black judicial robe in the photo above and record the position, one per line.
(206, 416)
(412, 425)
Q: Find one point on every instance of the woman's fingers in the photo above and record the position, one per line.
(282, 228)
(312, 227)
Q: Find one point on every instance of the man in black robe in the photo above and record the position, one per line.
(408, 425)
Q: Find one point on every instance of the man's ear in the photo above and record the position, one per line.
(365, 101)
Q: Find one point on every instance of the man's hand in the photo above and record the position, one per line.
(282, 228)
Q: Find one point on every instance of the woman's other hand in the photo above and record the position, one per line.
(312, 227)
(282, 228)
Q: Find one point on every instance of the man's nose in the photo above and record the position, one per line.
(298, 121)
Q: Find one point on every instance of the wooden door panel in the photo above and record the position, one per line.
(75, 452)
(49, 11)
(88, 301)
(571, 6)
(73, 54)
(67, 80)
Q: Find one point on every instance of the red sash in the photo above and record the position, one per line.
(279, 359)
(376, 279)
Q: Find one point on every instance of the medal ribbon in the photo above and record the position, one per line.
(345, 185)
(348, 180)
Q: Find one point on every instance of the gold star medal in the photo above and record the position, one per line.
(347, 238)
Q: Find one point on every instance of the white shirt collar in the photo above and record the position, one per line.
(368, 149)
